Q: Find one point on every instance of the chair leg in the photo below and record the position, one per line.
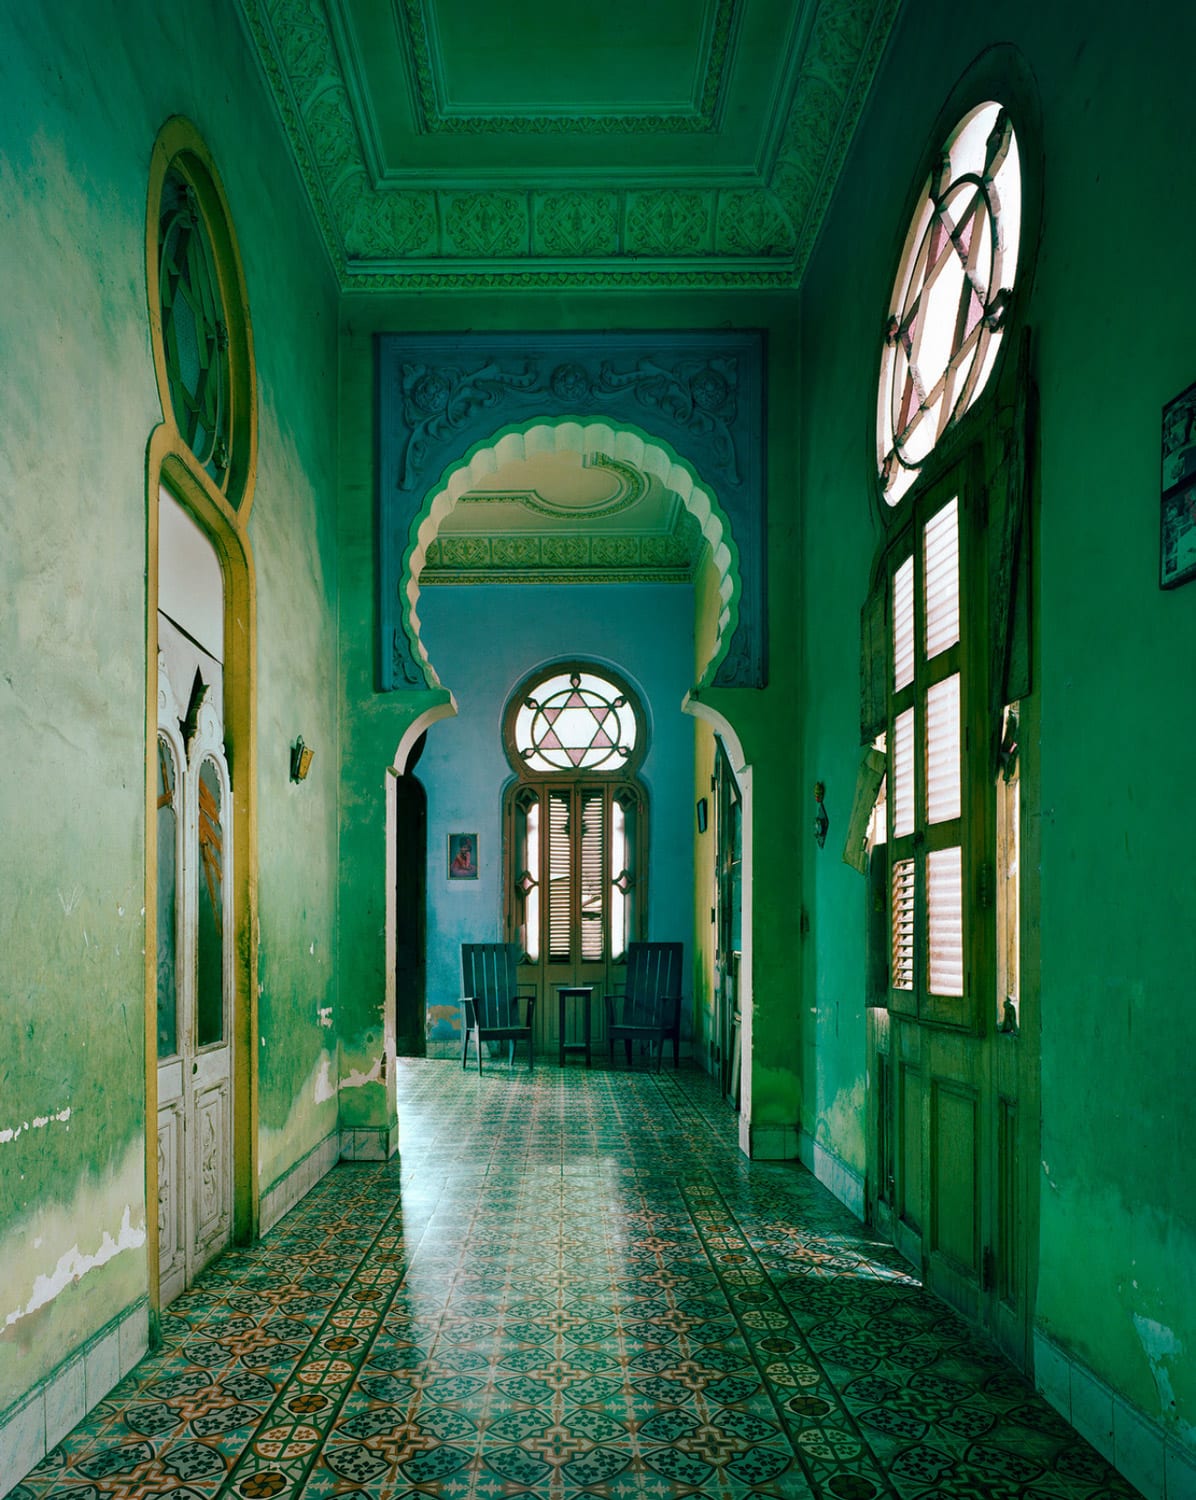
(477, 1041)
(627, 1049)
(465, 1046)
(676, 1050)
(531, 1054)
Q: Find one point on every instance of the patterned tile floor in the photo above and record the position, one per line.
(570, 1283)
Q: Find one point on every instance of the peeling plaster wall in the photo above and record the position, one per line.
(1115, 327)
(85, 91)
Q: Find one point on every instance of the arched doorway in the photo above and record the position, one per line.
(201, 774)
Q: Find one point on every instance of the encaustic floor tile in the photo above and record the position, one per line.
(569, 1284)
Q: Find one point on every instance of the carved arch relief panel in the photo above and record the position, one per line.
(697, 400)
(195, 975)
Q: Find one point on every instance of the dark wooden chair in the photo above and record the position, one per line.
(649, 1008)
(490, 1000)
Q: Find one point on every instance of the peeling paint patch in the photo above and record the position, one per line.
(356, 1079)
(325, 1088)
(37, 1124)
(1159, 1344)
(325, 1015)
(73, 1265)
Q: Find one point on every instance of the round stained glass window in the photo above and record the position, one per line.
(194, 328)
(575, 720)
(947, 314)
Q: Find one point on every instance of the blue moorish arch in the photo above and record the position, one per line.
(689, 406)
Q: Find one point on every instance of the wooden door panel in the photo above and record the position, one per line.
(953, 1174)
(172, 1258)
(211, 1172)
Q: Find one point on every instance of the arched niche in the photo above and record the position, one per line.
(623, 443)
(692, 402)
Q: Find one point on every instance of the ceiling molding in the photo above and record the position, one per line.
(436, 114)
(630, 488)
(684, 228)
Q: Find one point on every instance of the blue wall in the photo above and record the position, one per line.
(483, 640)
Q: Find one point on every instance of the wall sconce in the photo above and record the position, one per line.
(702, 814)
(301, 759)
(821, 821)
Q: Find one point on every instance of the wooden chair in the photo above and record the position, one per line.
(649, 1009)
(490, 1000)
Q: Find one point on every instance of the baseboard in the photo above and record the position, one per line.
(1155, 1461)
(369, 1142)
(35, 1424)
(772, 1142)
(834, 1173)
(297, 1181)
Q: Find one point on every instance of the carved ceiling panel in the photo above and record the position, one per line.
(687, 143)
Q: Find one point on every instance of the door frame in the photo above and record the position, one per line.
(171, 466)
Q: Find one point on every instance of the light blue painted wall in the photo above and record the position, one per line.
(482, 641)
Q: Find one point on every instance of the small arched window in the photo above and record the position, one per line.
(951, 295)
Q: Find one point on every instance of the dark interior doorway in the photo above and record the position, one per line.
(411, 905)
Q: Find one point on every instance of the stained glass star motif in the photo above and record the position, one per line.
(575, 721)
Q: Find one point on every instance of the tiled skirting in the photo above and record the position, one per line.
(299, 1180)
(42, 1417)
(369, 1142)
(1153, 1460)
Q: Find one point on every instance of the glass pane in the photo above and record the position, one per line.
(560, 869)
(944, 911)
(527, 880)
(209, 975)
(903, 924)
(903, 625)
(942, 579)
(618, 866)
(902, 772)
(943, 777)
(168, 883)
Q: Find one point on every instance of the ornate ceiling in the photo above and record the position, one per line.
(565, 517)
(551, 143)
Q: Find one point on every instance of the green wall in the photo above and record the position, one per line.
(86, 89)
(372, 724)
(1114, 319)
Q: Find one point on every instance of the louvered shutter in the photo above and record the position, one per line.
(560, 877)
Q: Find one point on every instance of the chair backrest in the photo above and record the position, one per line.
(490, 974)
(653, 978)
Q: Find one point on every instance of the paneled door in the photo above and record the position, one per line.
(195, 922)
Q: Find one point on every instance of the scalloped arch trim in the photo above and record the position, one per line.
(622, 442)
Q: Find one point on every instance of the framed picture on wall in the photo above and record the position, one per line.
(1177, 557)
(462, 856)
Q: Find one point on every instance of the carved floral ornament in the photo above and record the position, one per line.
(696, 395)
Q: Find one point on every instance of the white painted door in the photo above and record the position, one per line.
(195, 918)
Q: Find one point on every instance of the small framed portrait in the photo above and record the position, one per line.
(462, 856)
(1177, 552)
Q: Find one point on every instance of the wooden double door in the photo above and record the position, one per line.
(576, 886)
